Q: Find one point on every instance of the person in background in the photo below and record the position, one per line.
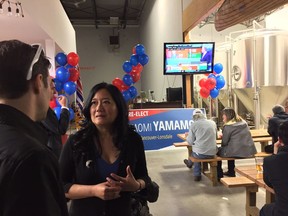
(104, 163)
(56, 127)
(275, 175)
(279, 116)
(236, 141)
(202, 137)
(207, 56)
(29, 174)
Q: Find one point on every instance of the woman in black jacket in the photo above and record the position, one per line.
(104, 163)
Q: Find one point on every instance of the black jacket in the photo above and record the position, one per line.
(55, 129)
(75, 170)
(273, 125)
(29, 175)
(276, 176)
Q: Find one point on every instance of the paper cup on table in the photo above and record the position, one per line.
(259, 164)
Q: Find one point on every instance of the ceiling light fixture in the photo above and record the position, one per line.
(10, 7)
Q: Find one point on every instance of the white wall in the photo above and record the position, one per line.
(277, 20)
(98, 60)
(51, 17)
(162, 24)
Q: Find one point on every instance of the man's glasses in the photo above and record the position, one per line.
(35, 59)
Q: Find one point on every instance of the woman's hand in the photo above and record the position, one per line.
(106, 191)
(127, 183)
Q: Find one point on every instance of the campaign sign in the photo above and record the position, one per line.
(159, 127)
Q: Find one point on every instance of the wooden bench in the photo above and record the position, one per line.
(251, 190)
(212, 172)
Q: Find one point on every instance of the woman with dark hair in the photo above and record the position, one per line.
(104, 163)
(236, 141)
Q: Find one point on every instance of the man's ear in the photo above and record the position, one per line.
(38, 83)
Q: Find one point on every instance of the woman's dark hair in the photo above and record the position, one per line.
(121, 123)
(231, 114)
(15, 60)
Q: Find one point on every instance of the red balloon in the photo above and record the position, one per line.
(210, 83)
(137, 68)
(74, 74)
(202, 82)
(134, 50)
(135, 76)
(118, 83)
(72, 59)
(204, 92)
(53, 103)
(124, 87)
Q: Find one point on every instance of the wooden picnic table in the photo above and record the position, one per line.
(258, 135)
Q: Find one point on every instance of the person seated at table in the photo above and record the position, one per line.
(279, 116)
(236, 141)
(275, 175)
(202, 137)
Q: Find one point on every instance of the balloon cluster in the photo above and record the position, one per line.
(67, 73)
(132, 69)
(213, 83)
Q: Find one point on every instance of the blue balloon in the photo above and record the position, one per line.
(211, 75)
(133, 91)
(127, 66)
(127, 79)
(72, 114)
(126, 95)
(214, 93)
(134, 59)
(220, 82)
(143, 59)
(61, 58)
(69, 87)
(140, 49)
(58, 85)
(57, 111)
(62, 74)
(218, 68)
(68, 66)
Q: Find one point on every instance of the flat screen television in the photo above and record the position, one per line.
(188, 58)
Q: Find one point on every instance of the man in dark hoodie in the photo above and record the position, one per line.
(279, 116)
(275, 175)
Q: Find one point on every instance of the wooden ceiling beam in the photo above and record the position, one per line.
(233, 12)
(197, 11)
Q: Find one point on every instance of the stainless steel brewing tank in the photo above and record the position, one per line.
(260, 59)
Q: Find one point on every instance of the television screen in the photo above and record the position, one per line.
(188, 58)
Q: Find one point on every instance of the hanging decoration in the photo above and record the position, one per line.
(211, 85)
(132, 69)
(11, 8)
(66, 79)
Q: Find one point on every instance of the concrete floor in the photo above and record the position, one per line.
(180, 195)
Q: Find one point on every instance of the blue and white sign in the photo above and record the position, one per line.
(159, 127)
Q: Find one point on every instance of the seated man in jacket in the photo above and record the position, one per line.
(275, 175)
(202, 137)
(279, 116)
